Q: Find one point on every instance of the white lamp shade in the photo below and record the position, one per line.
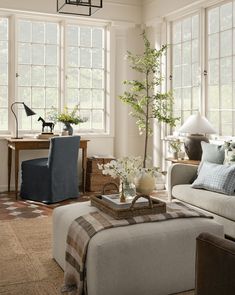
(197, 124)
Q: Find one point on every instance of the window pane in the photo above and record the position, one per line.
(186, 70)
(38, 97)
(85, 72)
(24, 78)
(38, 33)
(213, 73)
(85, 37)
(38, 54)
(187, 29)
(3, 119)
(177, 54)
(24, 53)
(3, 97)
(85, 78)
(213, 17)
(186, 52)
(52, 76)
(72, 35)
(221, 70)
(226, 38)
(97, 79)
(85, 98)
(72, 57)
(4, 28)
(51, 97)
(97, 58)
(226, 16)
(24, 31)
(213, 97)
(85, 57)
(226, 70)
(176, 32)
(97, 120)
(51, 55)
(226, 96)
(97, 37)
(52, 33)
(38, 69)
(73, 97)
(38, 78)
(214, 46)
(98, 99)
(72, 80)
(24, 94)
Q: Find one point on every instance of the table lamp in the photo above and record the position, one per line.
(28, 112)
(197, 127)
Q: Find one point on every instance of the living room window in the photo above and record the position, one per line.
(204, 65)
(186, 66)
(56, 63)
(221, 65)
(85, 78)
(38, 70)
(3, 74)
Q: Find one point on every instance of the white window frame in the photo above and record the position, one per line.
(12, 69)
(201, 8)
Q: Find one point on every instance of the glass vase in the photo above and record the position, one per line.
(127, 190)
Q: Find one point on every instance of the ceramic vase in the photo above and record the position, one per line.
(145, 184)
(68, 127)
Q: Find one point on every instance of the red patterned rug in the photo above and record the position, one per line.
(12, 209)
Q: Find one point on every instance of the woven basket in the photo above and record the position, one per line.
(154, 207)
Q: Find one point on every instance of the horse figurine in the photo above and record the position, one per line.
(46, 124)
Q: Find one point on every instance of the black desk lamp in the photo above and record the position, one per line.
(28, 112)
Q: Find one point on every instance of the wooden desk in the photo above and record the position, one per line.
(37, 144)
(186, 161)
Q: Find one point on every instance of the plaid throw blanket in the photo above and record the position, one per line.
(85, 227)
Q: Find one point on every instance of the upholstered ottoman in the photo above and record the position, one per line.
(143, 259)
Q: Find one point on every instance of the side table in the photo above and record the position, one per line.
(185, 161)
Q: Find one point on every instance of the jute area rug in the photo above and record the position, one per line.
(26, 264)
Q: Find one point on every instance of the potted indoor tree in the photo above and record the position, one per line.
(148, 103)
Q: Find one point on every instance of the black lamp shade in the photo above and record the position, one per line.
(28, 111)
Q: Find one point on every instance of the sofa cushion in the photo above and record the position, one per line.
(217, 178)
(216, 203)
(212, 153)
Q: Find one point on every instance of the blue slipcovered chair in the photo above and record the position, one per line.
(52, 179)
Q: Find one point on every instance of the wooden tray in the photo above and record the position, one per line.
(154, 207)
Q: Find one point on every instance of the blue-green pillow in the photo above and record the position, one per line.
(212, 153)
(217, 178)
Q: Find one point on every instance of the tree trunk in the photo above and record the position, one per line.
(146, 122)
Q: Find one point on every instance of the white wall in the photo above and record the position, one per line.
(161, 8)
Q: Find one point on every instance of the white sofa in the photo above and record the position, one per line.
(221, 206)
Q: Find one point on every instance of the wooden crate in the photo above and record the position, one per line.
(92, 164)
(96, 181)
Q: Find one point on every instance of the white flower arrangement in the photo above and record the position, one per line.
(126, 168)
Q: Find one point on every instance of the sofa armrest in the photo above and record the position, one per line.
(215, 265)
(180, 174)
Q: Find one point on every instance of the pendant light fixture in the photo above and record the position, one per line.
(79, 7)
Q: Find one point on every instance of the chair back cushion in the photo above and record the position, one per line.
(62, 161)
